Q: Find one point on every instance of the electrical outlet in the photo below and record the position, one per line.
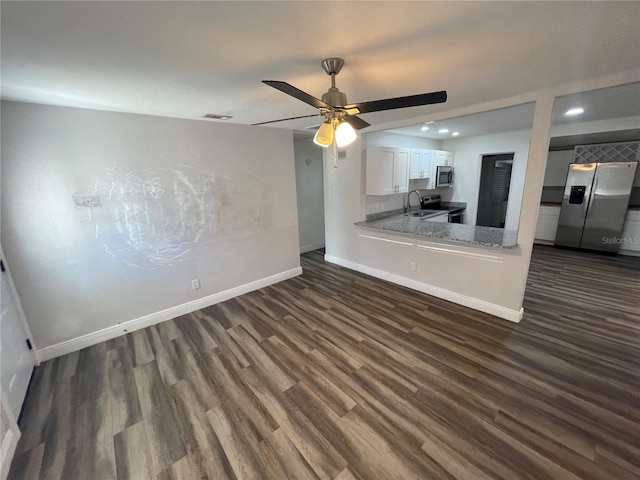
(413, 267)
(195, 284)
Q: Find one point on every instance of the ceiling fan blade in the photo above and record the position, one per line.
(399, 102)
(356, 122)
(285, 119)
(297, 93)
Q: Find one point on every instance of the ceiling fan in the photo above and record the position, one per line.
(341, 117)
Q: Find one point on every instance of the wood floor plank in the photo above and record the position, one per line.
(133, 458)
(260, 360)
(163, 435)
(37, 405)
(237, 444)
(325, 460)
(205, 452)
(339, 376)
(140, 348)
(183, 469)
(28, 464)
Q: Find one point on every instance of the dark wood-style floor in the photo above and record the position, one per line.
(336, 375)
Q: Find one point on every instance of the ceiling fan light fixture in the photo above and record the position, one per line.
(345, 134)
(324, 135)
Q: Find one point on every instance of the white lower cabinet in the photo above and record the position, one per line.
(387, 170)
(547, 223)
(631, 234)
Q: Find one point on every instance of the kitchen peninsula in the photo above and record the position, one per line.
(407, 224)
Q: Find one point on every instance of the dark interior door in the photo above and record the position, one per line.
(493, 197)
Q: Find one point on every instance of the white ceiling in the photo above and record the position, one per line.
(621, 101)
(183, 59)
(510, 119)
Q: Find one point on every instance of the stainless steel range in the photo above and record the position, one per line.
(434, 203)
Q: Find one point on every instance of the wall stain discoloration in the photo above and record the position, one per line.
(155, 216)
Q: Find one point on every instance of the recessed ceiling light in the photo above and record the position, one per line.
(429, 122)
(572, 112)
(215, 116)
(455, 134)
(443, 130)
(425, 128)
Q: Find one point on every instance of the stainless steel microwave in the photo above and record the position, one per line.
(444, 176)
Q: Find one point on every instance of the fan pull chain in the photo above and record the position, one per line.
(335, 154)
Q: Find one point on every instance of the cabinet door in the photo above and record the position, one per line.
(439, 157)
(415, 165)
(387, 169)
(427, 160)
(448, 158)
(379, 170)
(401, 171)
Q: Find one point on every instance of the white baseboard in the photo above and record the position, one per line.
(311, 248)
(455, 297)
(114, 331)
(543, 242)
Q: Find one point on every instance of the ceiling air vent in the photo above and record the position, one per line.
(215, 116)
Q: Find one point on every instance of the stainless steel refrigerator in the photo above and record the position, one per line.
(594, 206)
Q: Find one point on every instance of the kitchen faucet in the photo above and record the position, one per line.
(408, 206)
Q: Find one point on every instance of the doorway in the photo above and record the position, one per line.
(493, 196)
(309, 191)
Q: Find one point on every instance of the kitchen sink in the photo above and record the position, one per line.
(422, 213)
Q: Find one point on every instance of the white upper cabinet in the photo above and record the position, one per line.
(387, 170)
(420, 166)
(390, 168)
(442, 157)
(448, 158)
(401, 170)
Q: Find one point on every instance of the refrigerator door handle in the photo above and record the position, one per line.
(592, 193)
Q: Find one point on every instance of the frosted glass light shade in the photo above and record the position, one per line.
(345, 134)
(324, 135)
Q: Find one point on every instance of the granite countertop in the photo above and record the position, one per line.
(453, 232)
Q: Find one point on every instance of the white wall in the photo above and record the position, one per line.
(468, 154)
(557, 166)
(178, 200)
(609, 125)
(384, 203)
(310, 194)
